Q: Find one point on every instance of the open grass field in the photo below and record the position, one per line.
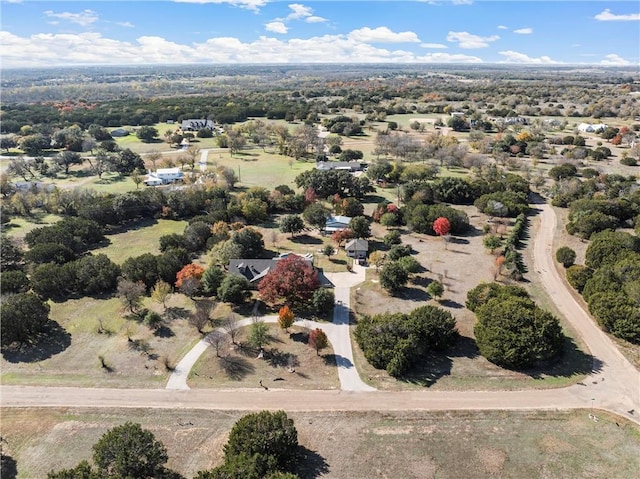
(421, 445)
(139, 238)
(288, 363)
(18, 227)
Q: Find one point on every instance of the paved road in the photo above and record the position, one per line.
(619, 382)
(614, 386)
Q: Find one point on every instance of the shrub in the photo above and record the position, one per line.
(566, 256)
(323, 300)
(578, 275)
(629, 161)
(393, 277)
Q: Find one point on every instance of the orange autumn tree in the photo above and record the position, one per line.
(189, 278)
(285, 317)
(318, 340)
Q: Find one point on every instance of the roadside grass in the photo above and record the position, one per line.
(94, 328)
(139, 238)
(239, 367)
(358, 445)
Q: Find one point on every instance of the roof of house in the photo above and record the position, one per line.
(338, 219)
(168, 171)
(256, 269)
(196, 124)
(339, 165)
(357, 245)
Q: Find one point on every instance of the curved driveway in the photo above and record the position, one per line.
(614, 385)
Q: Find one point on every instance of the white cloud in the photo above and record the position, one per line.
(125, 24)
(299, 11)
(524, 31)
(90, 48)
(448, 58)
(382, 35)
(468, 40)
(503, 27)
(607, 16)
(517, 57)
(83, 18)
(462, 2)
(614, 60)
(276, 27)
(433, 45)
(253, 5)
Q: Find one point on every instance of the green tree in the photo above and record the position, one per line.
(130, 451)
(234, 289)
(67, 158)
(566, 256)
(291, 224)
(360, 227)
(212, 279)
(270, 434)
(14, 282)
(160, 292)
(393, 277)
(258, 334)
(147, 133)
(491, 242)
(515, 333)
(22, 317)
(323, 300)
(435, 289)
(96, 274)
(578, 275)
(316, 215)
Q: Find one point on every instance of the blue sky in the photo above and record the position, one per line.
(57, 33)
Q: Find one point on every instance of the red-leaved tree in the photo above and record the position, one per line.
(190, 271)
(318, 340)
(341, 236)
(441, 226)
(292, 281)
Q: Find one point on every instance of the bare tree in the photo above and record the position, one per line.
(232, 326)
(202, 315)
(217, 339)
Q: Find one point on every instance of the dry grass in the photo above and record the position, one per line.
(239, 367)
(133, 354)
(461, 266)
(353, 445)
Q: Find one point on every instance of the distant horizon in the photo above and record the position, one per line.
(83, 33)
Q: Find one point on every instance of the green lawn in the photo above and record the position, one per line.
(139, 238)
(18, 227)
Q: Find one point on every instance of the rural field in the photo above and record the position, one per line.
(425, 445)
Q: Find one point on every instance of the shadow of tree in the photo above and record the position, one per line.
(329, 359)
(310, 464)
(299, 337)
(51, 341)
(306, 239)
(236, 368)
(164, 332)
(435, 365)
(280, 359)
(448, 303)
(572, 362)
(8, 467)
(176, 312)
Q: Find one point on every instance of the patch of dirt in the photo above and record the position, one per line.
(492, 460)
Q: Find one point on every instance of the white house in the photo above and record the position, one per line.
(589, 128)
(164, 176)
(336, 223)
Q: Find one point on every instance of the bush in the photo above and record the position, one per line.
(234, 289)
(566, 256)
(628, 161)
(515, 333)
(578, 275)
(395, 342)
(269, 434)
(398, 251)
(392, 238)
(393, 277)
(22, 317)
(409, 264)
(323, 300)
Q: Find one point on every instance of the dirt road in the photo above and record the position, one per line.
(614, 385)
